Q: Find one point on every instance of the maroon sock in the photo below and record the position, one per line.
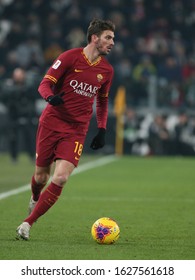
(36, 189)
(45, 202)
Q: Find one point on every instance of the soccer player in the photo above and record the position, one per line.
(70, 86)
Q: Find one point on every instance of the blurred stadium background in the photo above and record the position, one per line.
(153, 94)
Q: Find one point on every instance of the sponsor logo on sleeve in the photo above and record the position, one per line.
(56, 64)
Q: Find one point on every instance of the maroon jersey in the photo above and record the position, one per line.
(81, 81)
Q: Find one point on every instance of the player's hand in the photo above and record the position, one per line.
(55, 100)
(99, 140)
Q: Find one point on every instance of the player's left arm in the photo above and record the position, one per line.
(102, 101)
(101, 115)
(102, 110)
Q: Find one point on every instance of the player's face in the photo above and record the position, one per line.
(105, 42)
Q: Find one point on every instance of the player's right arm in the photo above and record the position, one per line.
(53, 75)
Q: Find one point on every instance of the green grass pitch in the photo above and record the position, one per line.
(152, 199)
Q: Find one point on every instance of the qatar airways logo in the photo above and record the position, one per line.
(83, 88)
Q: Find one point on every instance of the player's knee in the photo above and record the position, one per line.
(60, 179)
(42, 178)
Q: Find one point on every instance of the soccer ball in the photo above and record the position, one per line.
(105, 231)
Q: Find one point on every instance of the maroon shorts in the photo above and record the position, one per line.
(52, 145)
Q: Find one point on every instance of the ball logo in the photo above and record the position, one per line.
(105, 231)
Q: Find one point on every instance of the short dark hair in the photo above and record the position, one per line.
(97, 26)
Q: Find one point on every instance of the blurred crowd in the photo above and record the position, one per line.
(153, 38)
(154, 47)
(160, 134)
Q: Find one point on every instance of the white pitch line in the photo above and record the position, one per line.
(14, 191)
(84, 167)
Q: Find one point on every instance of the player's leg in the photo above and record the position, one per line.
(63, 170)
(69, 149)
(45, 145)
(51, 194)
(66, 149)
(38, 182)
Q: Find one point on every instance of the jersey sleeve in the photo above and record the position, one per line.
(53, 75)
(102, 102)
(102, 111)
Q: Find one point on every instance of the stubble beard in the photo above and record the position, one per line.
(99, 49)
